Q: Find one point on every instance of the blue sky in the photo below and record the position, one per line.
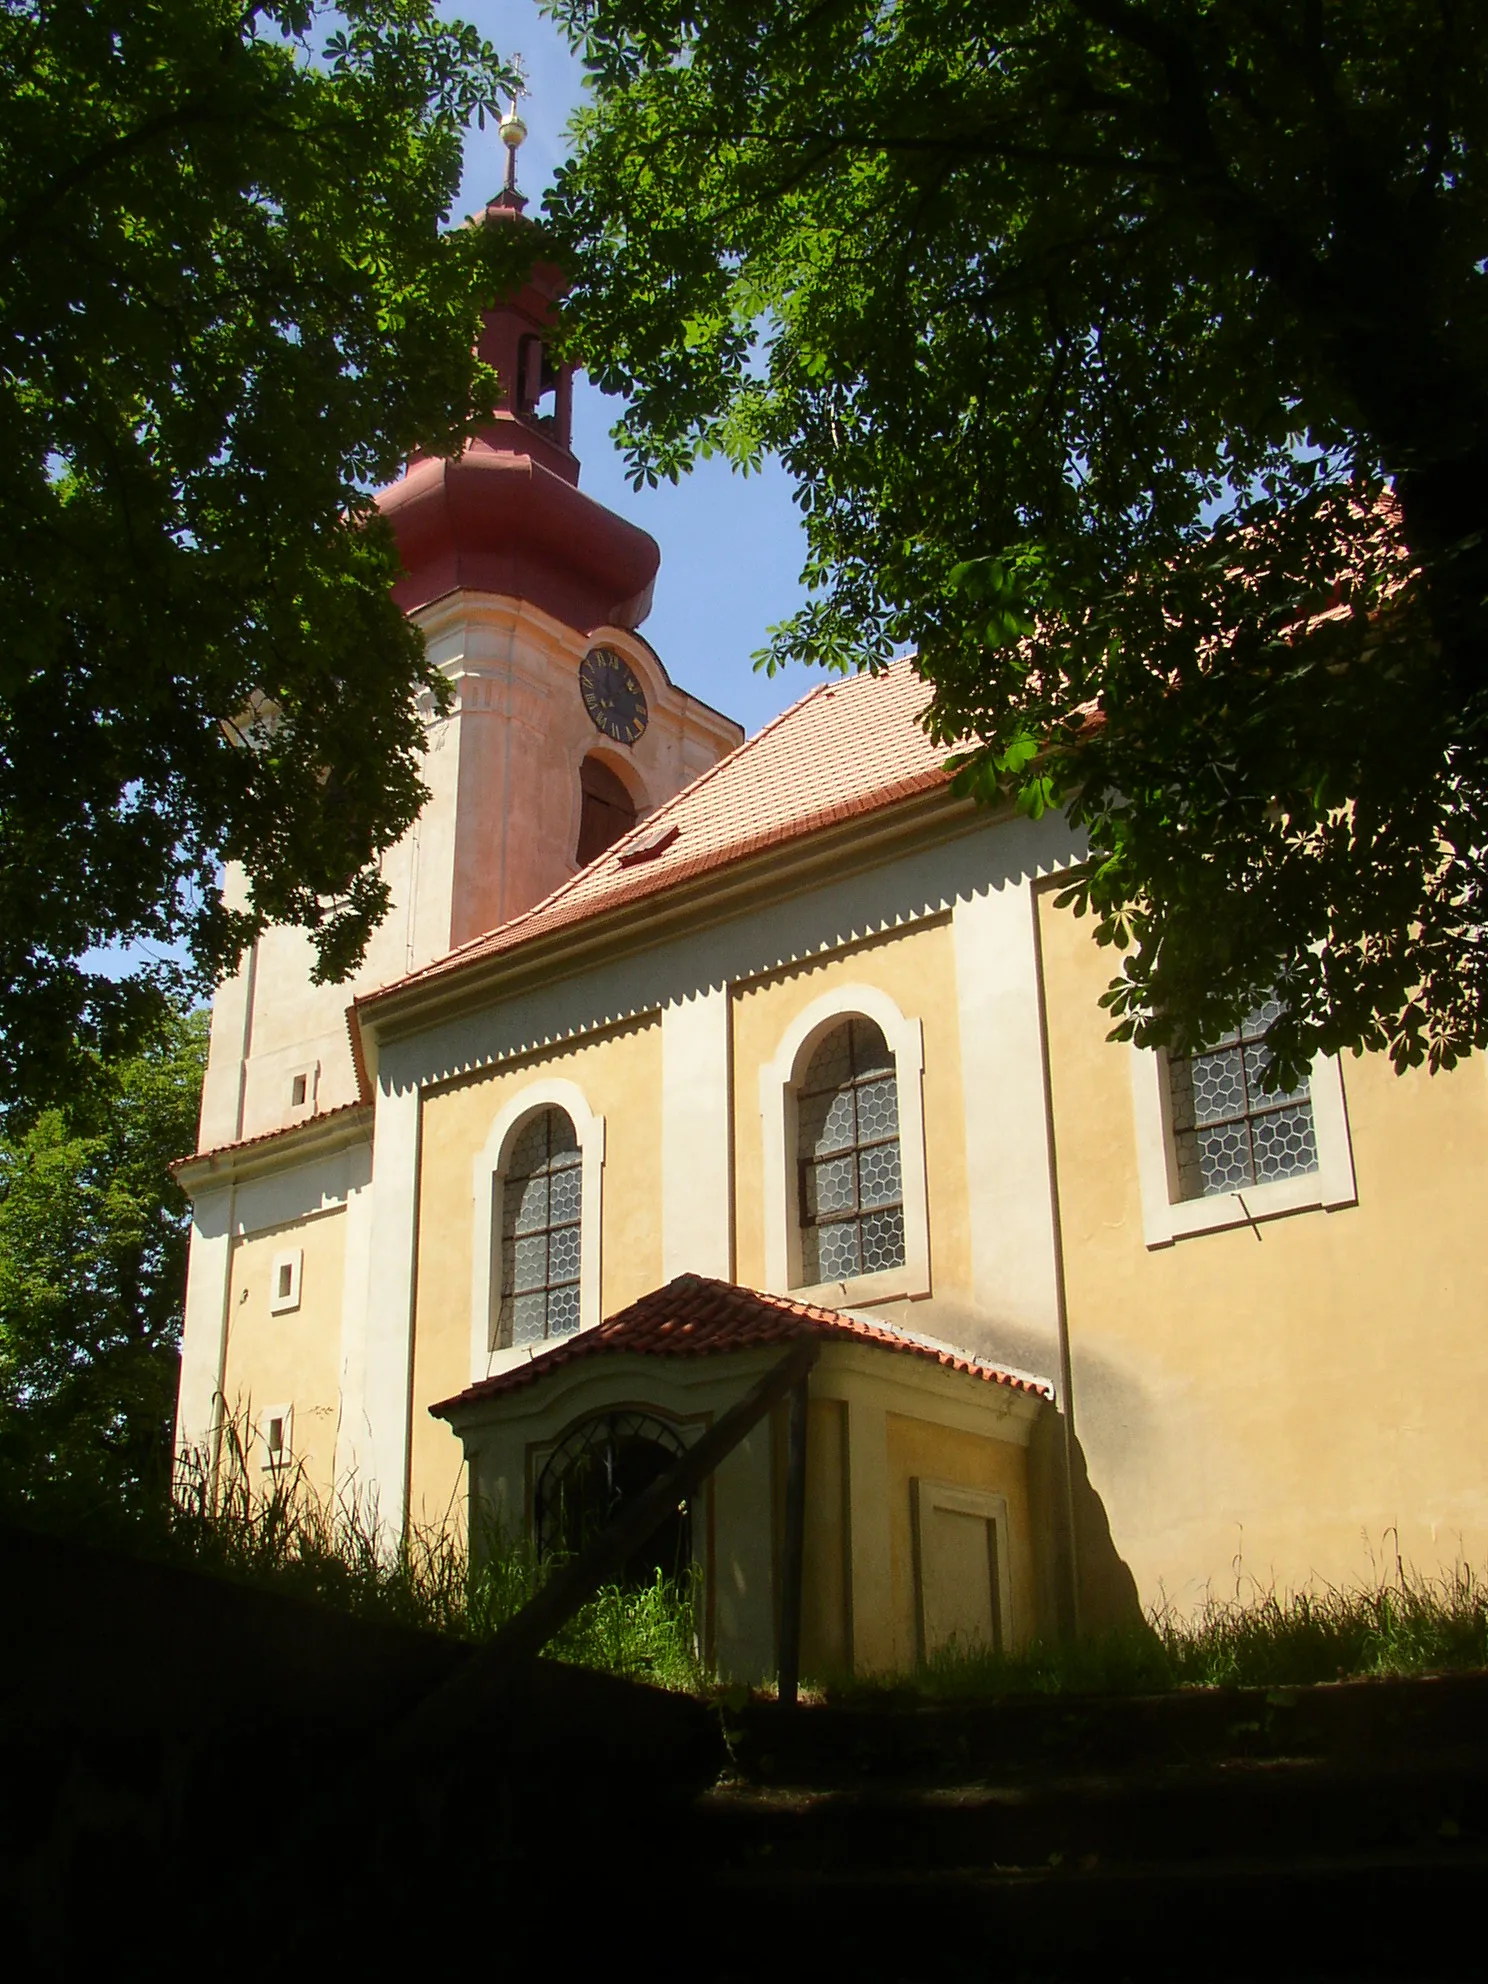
(731, 546)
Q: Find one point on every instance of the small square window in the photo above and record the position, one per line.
(297, 1091)
(276, 1436)
(284, 1281)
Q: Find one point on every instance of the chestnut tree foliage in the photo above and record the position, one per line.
(93, 1240)
(1129, 358)
(229, 307)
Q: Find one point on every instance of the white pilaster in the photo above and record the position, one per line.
(378, 1424)
(696, 1136)
(204, 1337)
(1014, 1275)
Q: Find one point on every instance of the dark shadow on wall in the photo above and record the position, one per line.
(1100, 1595)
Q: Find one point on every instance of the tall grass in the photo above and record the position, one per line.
(270, 1528)
(1405, 1623)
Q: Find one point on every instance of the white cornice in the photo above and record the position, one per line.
(302, 1143)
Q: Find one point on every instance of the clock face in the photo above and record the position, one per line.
(614, 699)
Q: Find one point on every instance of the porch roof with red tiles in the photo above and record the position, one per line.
(850, 747)
(695, 1316)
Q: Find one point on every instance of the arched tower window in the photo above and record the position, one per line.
(851, 1186)
(541, 1214)
(608, 810)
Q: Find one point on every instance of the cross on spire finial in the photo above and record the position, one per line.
(513, 130)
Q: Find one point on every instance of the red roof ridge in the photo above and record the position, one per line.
(696, 1315)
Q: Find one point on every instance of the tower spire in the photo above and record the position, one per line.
(513, 130)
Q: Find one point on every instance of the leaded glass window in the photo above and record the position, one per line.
(852, 1193)
(1227, 1131)
(541, 1206)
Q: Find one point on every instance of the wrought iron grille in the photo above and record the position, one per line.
(594, 1470)
(541, 1208)
(852, 1193)
(1228, 1132)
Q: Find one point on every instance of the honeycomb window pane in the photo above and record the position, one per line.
(530, 1265)
(829, 1187)
(1224, 1158)
(1181, 1096)
(563, 1138)
(563, 1310)
(831, 1065)
(870, 1050)
(565, 1194)
(529, 1318)
(878, 1176)
(1257, 1057)
(526, 1205)
(878, 1111)
(827, 1122)
(1228, 1133)
(530, 1150)
(1285, 1144)
(1218, 1086)
(837, 1251)
(563, 1254)
(1257, 1022)
(810, 1255)
(1190, 1171)
(883, 1240)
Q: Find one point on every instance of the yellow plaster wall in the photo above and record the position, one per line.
(1293, 1396)
(919, 1449)
(917, 969)
(293, 1358)
(620, 1075)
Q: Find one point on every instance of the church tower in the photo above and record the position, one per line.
(565, 728)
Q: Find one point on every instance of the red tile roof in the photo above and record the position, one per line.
(313, 1122)
(694, 1316)
(849, 747)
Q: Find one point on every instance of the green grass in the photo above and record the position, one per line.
(1407, 1624)
(268, 1528)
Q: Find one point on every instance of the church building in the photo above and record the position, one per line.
(679, 1048)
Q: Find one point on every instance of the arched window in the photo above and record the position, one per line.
(542, 1199)
(851, 1186)
(608, 810)
(598, 1467)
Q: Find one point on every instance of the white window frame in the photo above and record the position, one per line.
(1167, 1217)
(487, 1183)
(292, 1258)
(271, 1463)
(932, 1495)
(309, 1073)
(779, 1082)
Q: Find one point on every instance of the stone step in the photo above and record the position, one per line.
(1356, 1917)
(1035, 1735)
(1283, 1808)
